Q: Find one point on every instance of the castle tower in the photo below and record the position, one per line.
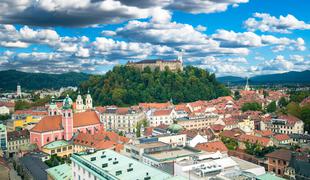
(180, 56)
(67, 118)
(79, 103)
(89, 101)
(52, 109)
(18, 90)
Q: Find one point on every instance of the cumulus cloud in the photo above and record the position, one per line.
(250, 39)
(93, 12)
(267, 23)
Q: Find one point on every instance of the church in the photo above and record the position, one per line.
(63, 124)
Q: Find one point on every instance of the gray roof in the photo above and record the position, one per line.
(35, 166)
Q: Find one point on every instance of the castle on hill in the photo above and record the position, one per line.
(173, 65)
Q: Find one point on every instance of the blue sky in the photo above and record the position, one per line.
(227, 37)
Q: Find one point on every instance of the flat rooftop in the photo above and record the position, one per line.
(56, 144)
(150, 145)
(116, 166)
(170, 155)
(62, 171)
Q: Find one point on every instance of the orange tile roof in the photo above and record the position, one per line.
(198, 103)
(162, 112)
(30, 112)
(281, 137)
(53, 123)
(254, 139)
(212, 146)
(100, 140)
(155, 105)
(264, 133)
(290, 119)
(7, 104)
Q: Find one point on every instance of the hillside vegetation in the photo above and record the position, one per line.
(128, 86)
(32, 81)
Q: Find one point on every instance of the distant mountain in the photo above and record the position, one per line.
(231, 79)
(284, 78)
(31, 81)
(291, 77)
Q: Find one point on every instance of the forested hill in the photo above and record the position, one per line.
(128, 86)
(10, 78)
(291, 77)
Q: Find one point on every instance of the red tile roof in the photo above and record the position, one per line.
(100, 140)
(155, 105)
(162, 112)
(254, 139)
(281, 137)
(7, 104)
(53, 123)
(282, 154)
(30, 112)
(290, 119)
(212, 146)
(15, 135)
(264, 133)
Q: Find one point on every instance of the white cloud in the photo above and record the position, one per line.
(267, 23)
(94, 12)
(201, 28)
(250, 39)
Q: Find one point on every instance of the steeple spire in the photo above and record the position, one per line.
(247, 87)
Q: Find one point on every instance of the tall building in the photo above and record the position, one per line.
(18, 90)
(108, 164)
(3, 137)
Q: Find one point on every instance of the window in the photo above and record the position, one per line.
(48, 139)
(59, 150)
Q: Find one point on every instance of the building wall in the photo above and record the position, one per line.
(172, 65)
(197, 123)
(79, 173)
(60, 151)
(4, 110)
(277, 166)
(157, 120)
(118, 122)
(14, 146)
(174, 140)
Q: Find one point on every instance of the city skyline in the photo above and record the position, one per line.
(230, 37)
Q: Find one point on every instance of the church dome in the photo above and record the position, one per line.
(67, 103)
(175, 128)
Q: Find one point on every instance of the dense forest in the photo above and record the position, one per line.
(125, 85)
(33, 81)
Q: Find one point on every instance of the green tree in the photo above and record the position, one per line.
(251, 106)
(126, 85)
(272, 107)
(237, 95)
(282, 102)
(293, 109)
(20, 105)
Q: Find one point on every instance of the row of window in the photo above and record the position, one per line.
(61, 149)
